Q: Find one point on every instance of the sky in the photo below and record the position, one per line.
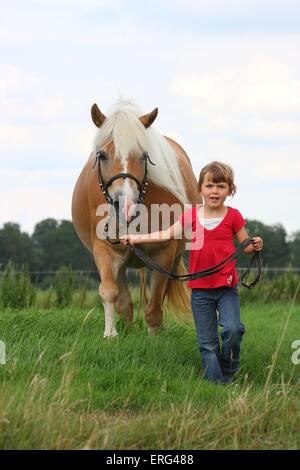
(225, 75)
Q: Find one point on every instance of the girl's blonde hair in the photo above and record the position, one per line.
(219, 173)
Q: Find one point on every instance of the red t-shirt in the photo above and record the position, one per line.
(213, 246)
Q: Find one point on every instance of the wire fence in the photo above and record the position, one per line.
(47, 288)
(46, 279)
(134, 270)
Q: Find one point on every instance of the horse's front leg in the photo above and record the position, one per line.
(124, 302)
(154, 309)
(108, 265)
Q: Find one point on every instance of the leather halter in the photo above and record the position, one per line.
(142, 187)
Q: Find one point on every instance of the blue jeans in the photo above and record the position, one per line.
(219, 365)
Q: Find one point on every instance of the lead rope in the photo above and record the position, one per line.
(256, 258)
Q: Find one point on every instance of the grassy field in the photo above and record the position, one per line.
(65, 387)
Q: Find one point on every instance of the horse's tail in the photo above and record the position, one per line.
(178, 295)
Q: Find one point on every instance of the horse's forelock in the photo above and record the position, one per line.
(124, 128)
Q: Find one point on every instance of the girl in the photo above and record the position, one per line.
(215, 298)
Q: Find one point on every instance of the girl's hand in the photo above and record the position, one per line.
(128, 239)
(257, 244)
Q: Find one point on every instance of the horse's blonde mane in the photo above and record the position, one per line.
(129, 135)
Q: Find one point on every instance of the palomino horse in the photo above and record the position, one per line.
(131, 163)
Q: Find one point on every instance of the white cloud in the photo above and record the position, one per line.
(217, 93)
(281, 171)
(268, 85)
(45, 145)
(79, 141)
(31, 205)
(230, 7)
(263, 85)
(26, 178)
(16, 138)
(93, 23)
(52, 107)
(30, 196)
(250, 161)
(267, 177)
(75, 3)
(260, 98)
(273, 130)
(14, 83)
(38, 125)
(24, 96)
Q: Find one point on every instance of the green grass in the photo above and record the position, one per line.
(65, 387)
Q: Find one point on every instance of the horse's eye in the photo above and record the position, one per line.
(103, 156)
(143, 157)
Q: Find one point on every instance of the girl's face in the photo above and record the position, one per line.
(214, 194)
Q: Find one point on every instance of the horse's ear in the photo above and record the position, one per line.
(148, 119)
(97, 116)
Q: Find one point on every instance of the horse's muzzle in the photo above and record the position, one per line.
(125, 208)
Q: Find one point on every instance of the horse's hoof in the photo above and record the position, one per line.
(153, 330)
(110, 334)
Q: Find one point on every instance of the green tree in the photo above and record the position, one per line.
(15, 245)
(294, 245)
(276, 252)
(57, 244)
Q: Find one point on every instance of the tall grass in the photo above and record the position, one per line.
(64, 286)
(16, 289)
(65, 387)
(278, 288)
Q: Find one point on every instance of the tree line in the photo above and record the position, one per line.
(54, 243)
